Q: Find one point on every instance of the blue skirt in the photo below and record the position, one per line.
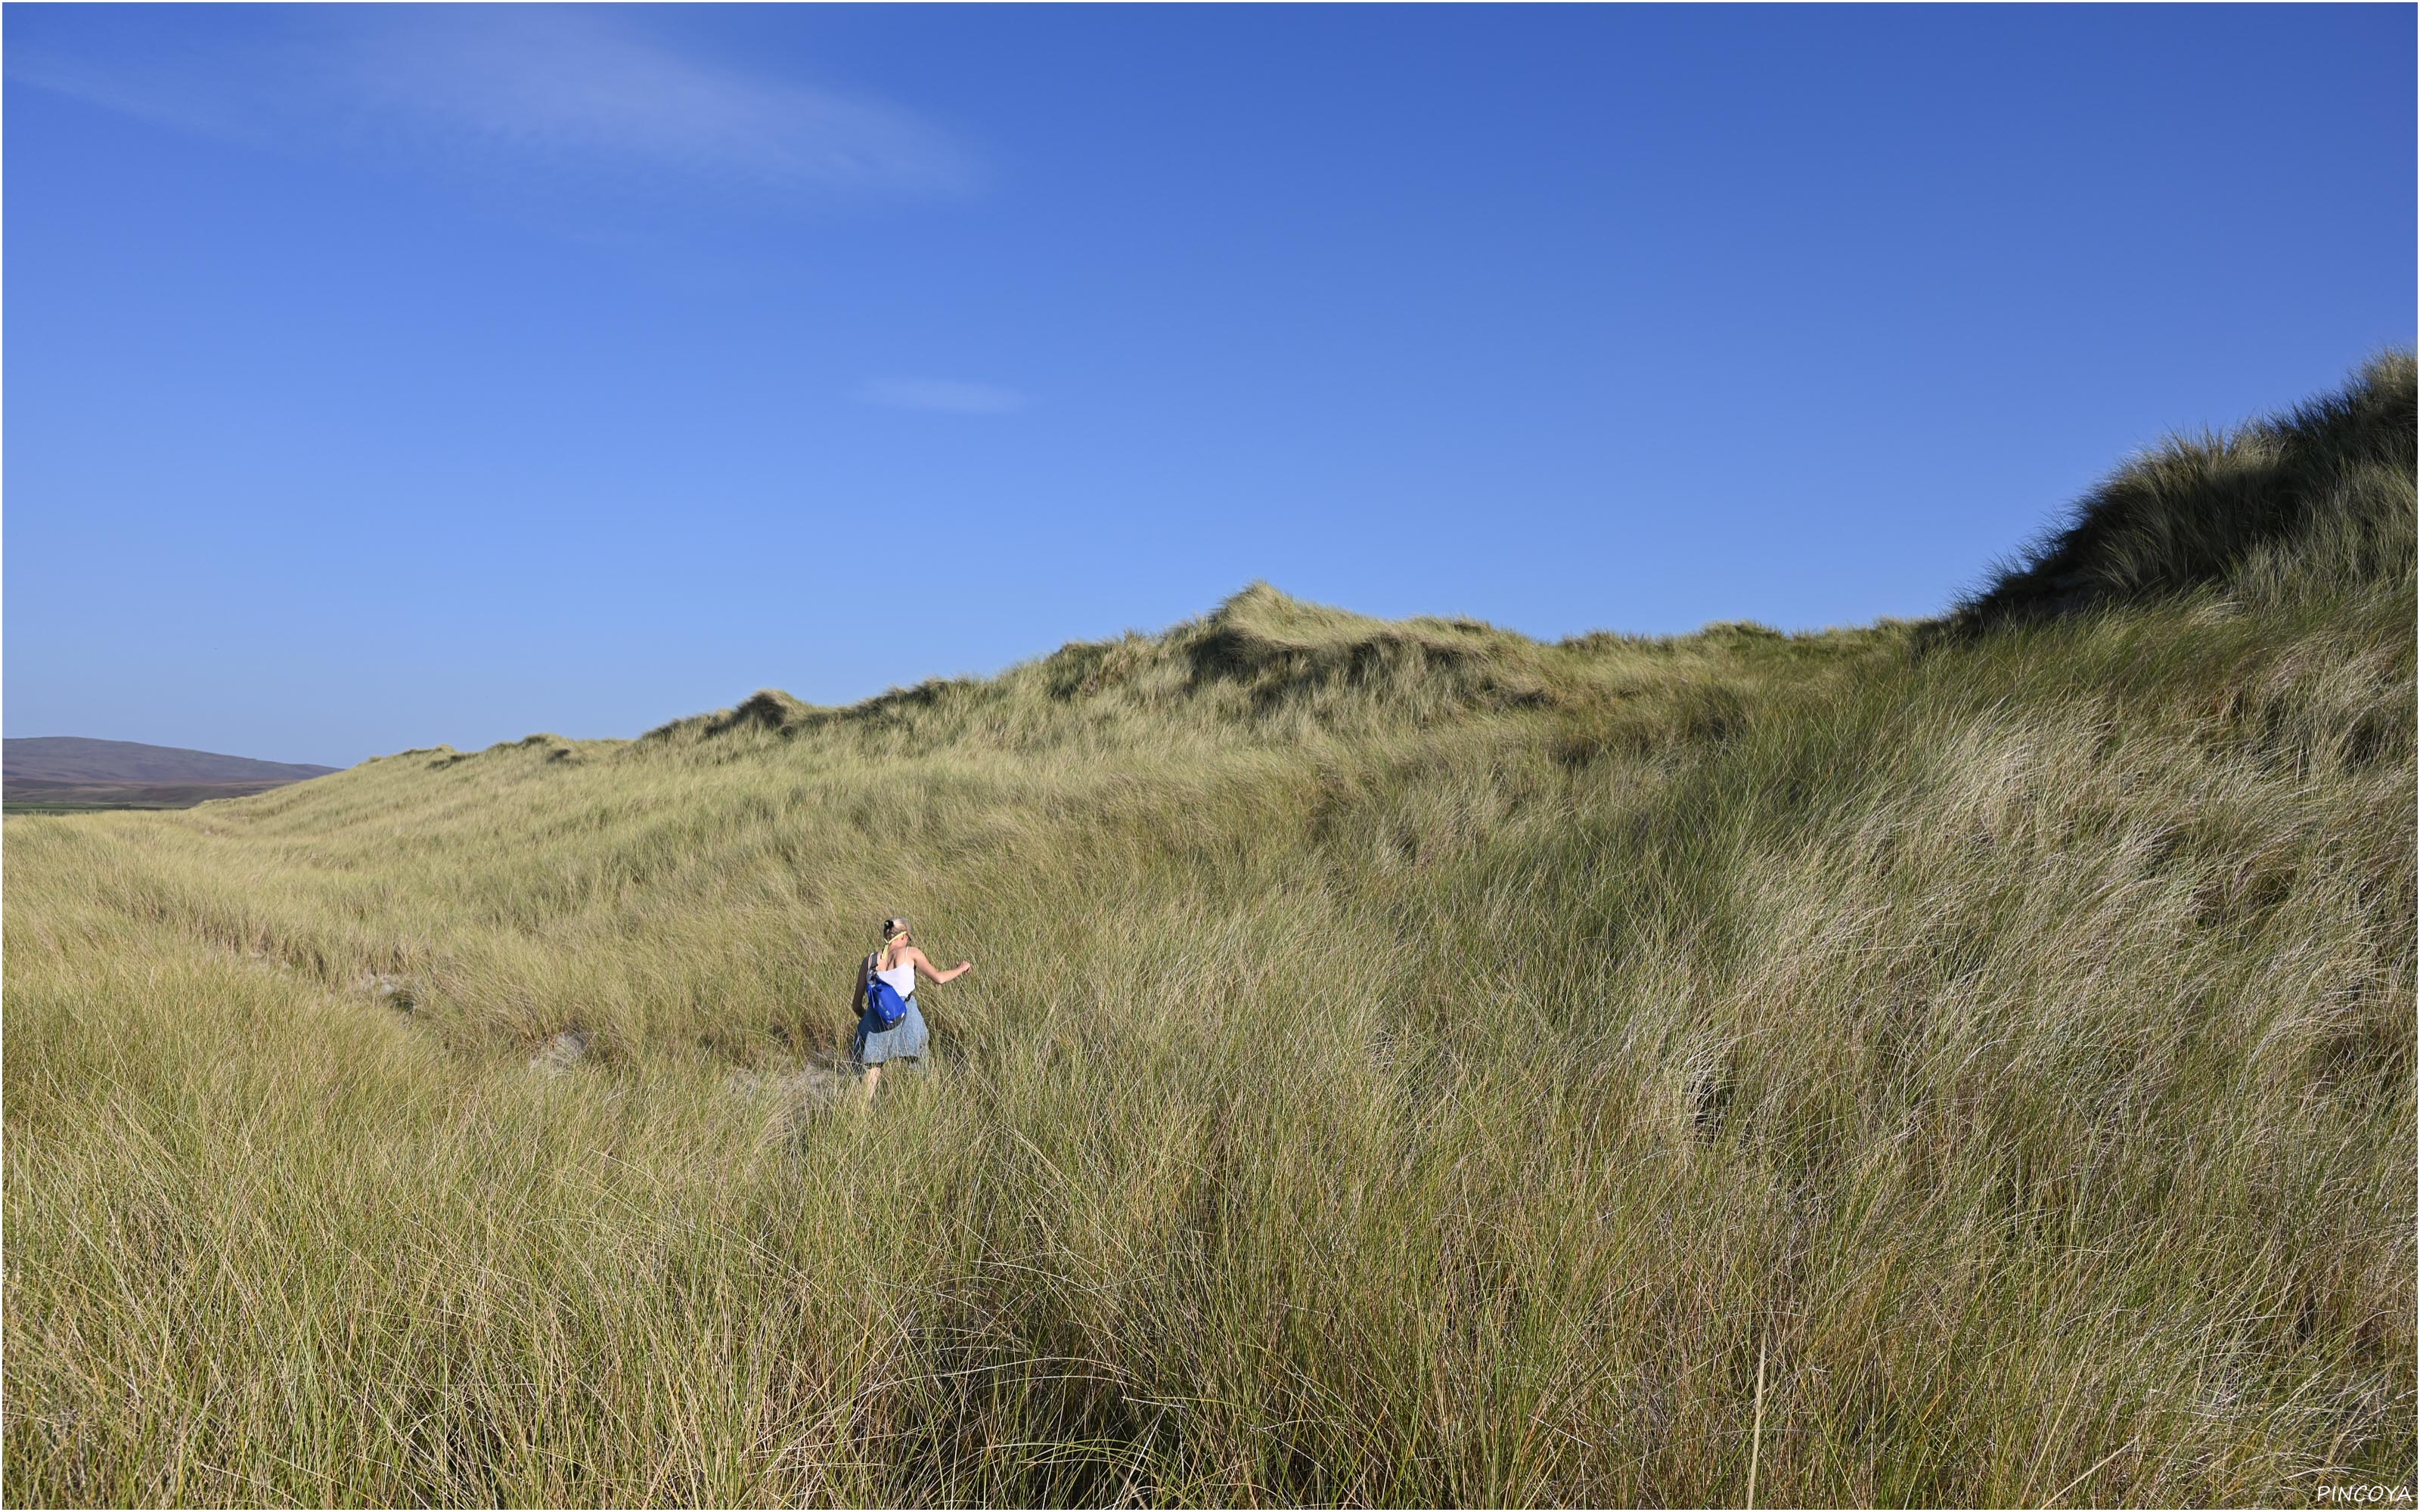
(904, 1040)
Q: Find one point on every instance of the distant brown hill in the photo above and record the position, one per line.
(67, 769)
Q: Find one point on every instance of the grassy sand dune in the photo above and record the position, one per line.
(1406, 1062)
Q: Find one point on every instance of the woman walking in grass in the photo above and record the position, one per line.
(895, 965)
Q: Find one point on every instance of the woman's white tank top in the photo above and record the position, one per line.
(902, 977)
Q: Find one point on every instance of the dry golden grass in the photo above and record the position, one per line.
(1407, 1063)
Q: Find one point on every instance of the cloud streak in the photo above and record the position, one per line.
(555, 90)
(943, 396)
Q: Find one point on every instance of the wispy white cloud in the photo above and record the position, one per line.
(568, 85)
(553, 89)
(942, 395)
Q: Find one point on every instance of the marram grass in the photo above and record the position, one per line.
(1405, 1064)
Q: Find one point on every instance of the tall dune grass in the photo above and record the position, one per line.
(1407, 1063)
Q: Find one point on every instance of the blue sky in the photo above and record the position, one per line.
(381, 376)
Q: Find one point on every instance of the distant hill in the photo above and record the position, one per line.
(70, 759)
(70, 771)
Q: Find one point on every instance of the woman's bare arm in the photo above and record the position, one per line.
(934, 972)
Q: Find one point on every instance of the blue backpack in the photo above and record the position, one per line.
(882, 1000)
